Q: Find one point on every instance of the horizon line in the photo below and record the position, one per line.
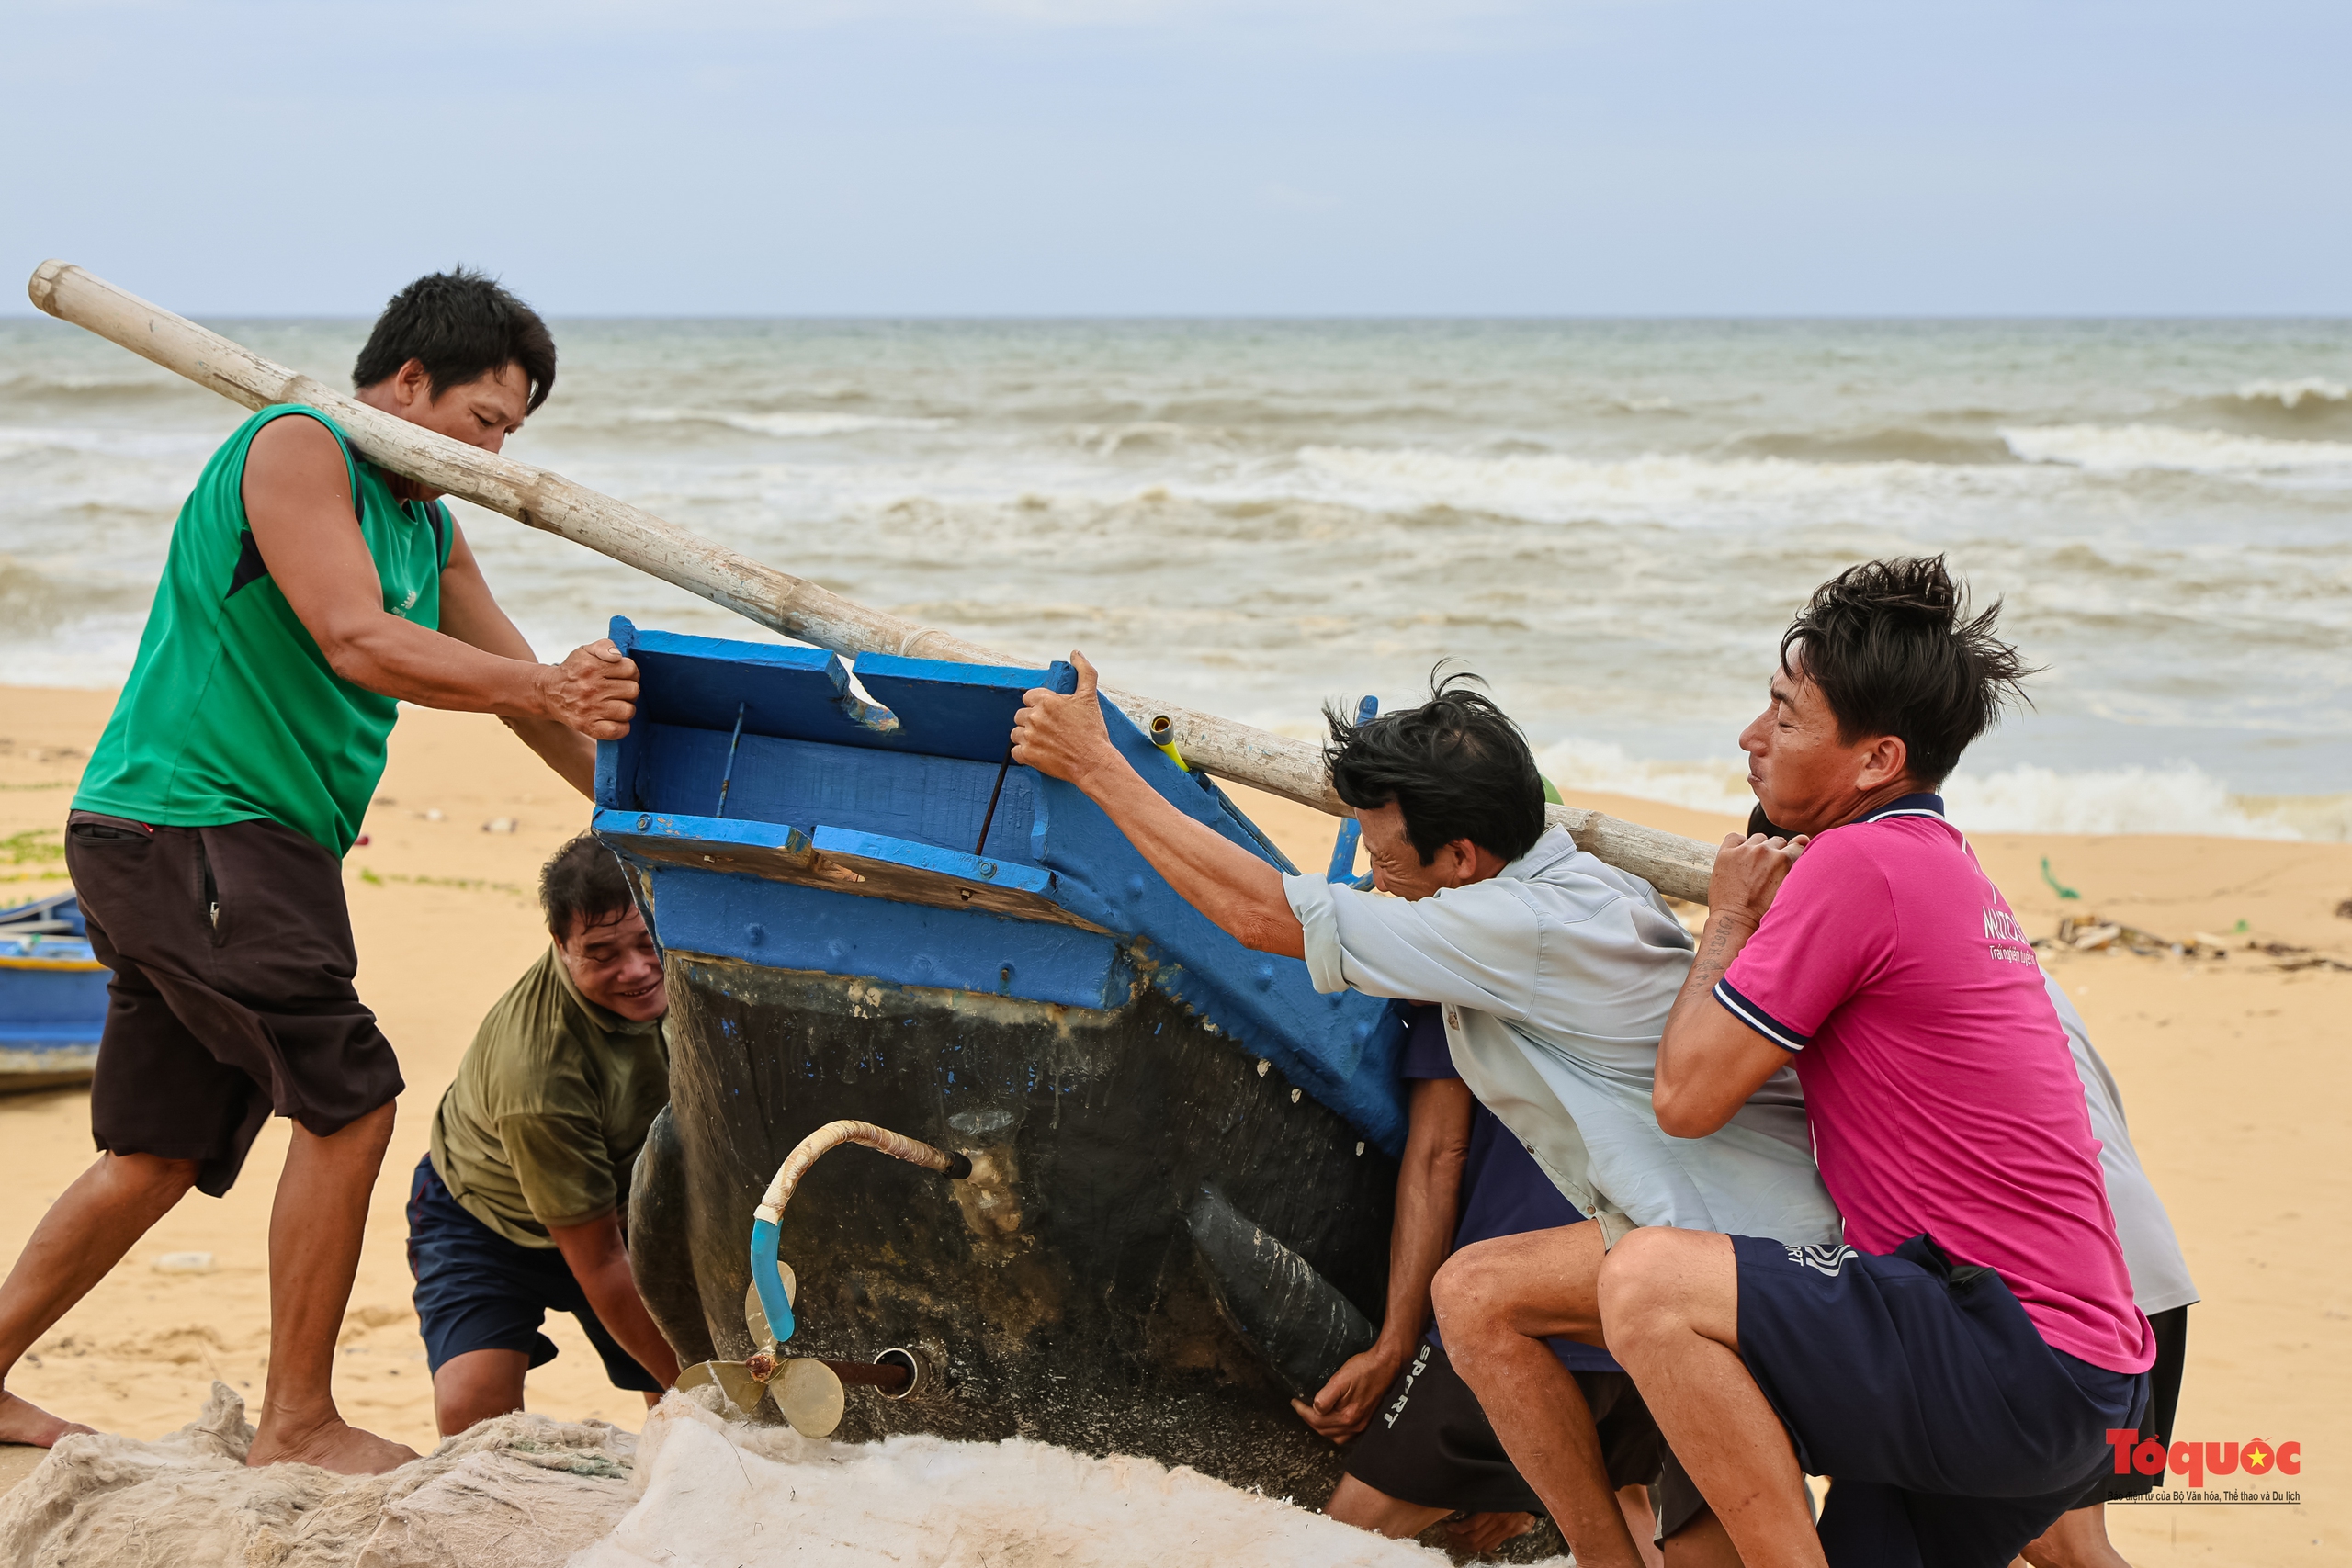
(29, 313)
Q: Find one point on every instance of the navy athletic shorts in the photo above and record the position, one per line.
(1953, 1434)
(2164, 1403)
(477, 1290)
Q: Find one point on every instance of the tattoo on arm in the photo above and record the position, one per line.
(1719, 943)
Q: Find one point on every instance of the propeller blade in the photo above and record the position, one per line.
(809, 1394)
(736, 1381)
(755, 1318)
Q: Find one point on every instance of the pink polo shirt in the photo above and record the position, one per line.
(1936, 1079)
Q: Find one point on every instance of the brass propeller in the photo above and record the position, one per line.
(807, 1392)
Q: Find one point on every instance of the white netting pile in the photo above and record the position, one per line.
(527, 1492)
(519, 1492)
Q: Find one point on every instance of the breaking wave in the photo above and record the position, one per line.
(35, 601)
(2122, 449)
(2313, 390)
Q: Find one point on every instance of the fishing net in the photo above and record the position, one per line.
(527, 1492)
(519, 1492)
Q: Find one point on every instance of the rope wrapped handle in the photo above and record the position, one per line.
(766, 1277)
(833, 1136)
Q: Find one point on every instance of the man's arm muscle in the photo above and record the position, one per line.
(1429, 1202)
(1065, 737)
(298, 503)
(599, 1260)
(1708, 1061)
(471, 615)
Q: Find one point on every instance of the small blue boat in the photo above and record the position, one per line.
(52, 995)
(1181, 1168)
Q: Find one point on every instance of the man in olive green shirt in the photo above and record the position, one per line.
(516, 1210)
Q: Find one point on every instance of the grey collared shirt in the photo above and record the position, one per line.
(2160, 1278)
(1557, 976)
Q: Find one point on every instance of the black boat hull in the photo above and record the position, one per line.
(1066, 1292)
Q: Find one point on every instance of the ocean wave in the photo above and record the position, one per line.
(789, 425)
(2307, 407)
(1897, 445)
(16, 439)
(1664, 487)
(2181, 799)
(2294, 394)
(110, 392)
(34, 602)
(1717, 785)
(2123, 448)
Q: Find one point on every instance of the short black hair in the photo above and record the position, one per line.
(1456, 766)
(583, 883)
(1893, 651)
(461, 326)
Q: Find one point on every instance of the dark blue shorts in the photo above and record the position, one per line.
(477, 1290)
(1952, 1432)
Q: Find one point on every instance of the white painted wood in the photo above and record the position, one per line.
(790, 605)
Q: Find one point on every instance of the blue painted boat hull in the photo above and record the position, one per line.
(52, 997)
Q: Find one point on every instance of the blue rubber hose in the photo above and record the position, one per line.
(769, 1279)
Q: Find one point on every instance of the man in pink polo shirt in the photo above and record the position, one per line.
(1956, 1364)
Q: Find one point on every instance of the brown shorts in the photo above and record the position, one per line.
(232, 995)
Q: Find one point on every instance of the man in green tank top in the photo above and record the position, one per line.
(306, 594)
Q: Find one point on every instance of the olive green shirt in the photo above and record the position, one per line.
(549, 1109)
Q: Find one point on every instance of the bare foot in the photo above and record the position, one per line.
(334, 1444)
(24, 1423)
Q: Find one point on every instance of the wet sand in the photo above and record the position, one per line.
(2233, 1073)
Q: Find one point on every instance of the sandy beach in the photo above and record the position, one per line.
(2232, 1070)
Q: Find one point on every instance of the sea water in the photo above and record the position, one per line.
(1612, 521)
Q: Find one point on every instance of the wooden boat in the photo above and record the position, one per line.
(52, 995)
(1183, 1170)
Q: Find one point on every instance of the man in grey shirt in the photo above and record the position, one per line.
(1555, 971)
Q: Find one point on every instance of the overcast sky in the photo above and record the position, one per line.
(963, 157)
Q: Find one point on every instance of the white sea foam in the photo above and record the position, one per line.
(2122, 448)
(1718, 785)
(2288, 394)
(2180, 798)
(2176, 799)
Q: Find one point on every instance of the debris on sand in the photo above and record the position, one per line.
(2088, 933)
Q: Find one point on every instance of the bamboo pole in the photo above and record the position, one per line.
(790, 605)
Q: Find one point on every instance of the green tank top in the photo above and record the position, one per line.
(232, 712)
